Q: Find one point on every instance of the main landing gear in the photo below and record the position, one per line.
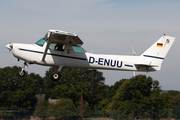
(21, 72)
(55, 76)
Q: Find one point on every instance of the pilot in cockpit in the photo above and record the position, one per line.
(59, 47)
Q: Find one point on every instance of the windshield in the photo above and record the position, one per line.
(40, 42)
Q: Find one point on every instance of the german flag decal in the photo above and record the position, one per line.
(159, 45)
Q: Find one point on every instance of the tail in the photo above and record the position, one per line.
(155, 55)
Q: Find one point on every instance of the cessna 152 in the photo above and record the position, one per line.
(63, 49)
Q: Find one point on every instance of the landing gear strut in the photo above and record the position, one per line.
(55, 76)
(21, 72)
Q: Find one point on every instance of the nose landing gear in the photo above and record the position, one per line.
(21, 72)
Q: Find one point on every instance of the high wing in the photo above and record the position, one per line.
(63, 37)
(57, 36)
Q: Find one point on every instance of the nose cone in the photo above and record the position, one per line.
(9, 46)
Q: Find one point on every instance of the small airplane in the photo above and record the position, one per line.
(63, 49)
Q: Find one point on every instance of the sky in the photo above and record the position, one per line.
(105, 26)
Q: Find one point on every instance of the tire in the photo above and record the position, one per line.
(21, 73)
(55, 76)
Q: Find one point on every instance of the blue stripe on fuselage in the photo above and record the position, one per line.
(128, 65)
(53, 54)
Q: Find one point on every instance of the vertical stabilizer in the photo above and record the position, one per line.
(158, 51)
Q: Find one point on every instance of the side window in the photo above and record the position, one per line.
(52, 46)
(57, 46)
(77, 48)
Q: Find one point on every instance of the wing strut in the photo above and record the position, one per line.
(47, 46)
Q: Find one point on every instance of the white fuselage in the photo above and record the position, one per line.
(60, 48)
(33, 53)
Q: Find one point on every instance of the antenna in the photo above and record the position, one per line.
(91, 50)
(134, 53)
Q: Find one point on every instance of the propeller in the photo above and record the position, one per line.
(9, 46)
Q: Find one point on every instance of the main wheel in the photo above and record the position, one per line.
(55, 76)
(21, 73)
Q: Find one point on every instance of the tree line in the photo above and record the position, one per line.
(81, 90)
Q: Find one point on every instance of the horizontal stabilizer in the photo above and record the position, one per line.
(145, 65)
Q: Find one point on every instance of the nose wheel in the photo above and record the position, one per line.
(22, 72)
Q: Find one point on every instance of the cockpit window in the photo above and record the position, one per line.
(78, 48)
(57, 46)
(40, 42)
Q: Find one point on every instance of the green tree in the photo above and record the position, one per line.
(140, 92)
(41, 107)
(164, 105)
(61, 109)
(113, 88)
(70, 86)
(95, 82)
(17, 91)
(73, 83)
(178, 100)
(173, 92)
(133, 93)
(49, 85)
(81, 106)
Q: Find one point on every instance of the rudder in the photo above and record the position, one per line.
(158, 51)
